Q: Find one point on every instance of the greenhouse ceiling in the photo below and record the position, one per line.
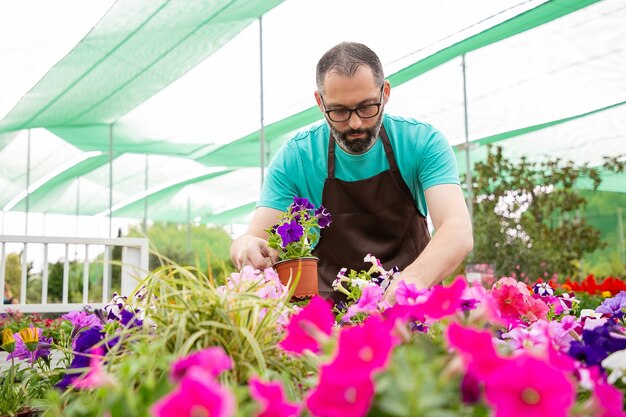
(152, 109)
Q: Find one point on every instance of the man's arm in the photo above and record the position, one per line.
(251, 248)
(451, 242)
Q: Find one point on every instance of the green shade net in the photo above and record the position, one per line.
(137, 49)
(244, 151)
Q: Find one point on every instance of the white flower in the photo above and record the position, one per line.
(617, 362)
(359, 283)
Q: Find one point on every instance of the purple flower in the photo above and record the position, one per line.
(130, 319)
(290, 232)
(85, 341)
(598, 343)
(323, 217)
(613, 305)
(301, 203)
(21, 350)
(81, 320)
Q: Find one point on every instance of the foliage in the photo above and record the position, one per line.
(297, 231)
(196, 245)
(526, 214)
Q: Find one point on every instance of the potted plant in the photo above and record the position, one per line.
(294, 237)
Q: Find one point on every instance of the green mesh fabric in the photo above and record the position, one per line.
(137, 49)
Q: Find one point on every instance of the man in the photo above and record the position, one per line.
(378, 176)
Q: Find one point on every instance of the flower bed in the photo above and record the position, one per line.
(187, 345)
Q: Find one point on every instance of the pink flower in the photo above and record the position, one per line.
(365, 348)
(306, 327)
(371, 296)
(476, 349)
(341, 395)
(523, 288)
(445, 301)
(197, 395)
(526, 386)
(410, 294)
(527, 338)
(272, 399)
(96, 376)
(510, 302)
(213, 360)
(536, 309)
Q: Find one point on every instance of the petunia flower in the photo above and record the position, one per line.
(339, 396)
(509, 302)
(314, 320)
(476, 348)
(271, 397)
(96, 377)
(365, 348)
(616, 361)
(371, 297)
(445, 301)
(81, 320)
(290, 232)
(197, 395)
(213, 360)
(526, 386)
(410, 294)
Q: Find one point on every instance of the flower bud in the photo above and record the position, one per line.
(8, 341)
(30, 337)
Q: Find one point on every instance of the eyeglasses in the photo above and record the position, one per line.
(366, 111)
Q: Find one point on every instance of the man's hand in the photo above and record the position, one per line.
(252, 250)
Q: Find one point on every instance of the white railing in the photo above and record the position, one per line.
(133, 262)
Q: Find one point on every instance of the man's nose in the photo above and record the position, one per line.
(355, 121)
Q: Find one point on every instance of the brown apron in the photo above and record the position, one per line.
(376, 215)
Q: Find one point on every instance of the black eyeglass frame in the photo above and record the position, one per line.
(355, 109)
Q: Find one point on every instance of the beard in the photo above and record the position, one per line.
(357, 146)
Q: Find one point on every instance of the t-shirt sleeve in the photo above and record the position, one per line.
(279, 186)
(438, 163)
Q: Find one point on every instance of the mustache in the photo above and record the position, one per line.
(356, 131)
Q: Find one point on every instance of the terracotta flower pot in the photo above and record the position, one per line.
(301, 272)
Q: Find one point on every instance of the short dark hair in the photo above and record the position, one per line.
(346, 58)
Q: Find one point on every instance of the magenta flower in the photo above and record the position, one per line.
(341, 395)
(366, 348)
(526, 386)
(307, 326)
(197, 395)
(410, 294)
(476, 349)
(272, 399)
(371, 296)
(607, 400)
(213, 360)
(445, 301)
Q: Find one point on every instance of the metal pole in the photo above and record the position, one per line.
(145, 201)
(468, 168)
(188, 220)
(262, 131)
(77, 205)
(110, 181)
(620, 233)
(27, 183)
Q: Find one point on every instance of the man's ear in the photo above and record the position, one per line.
(386, 92)
(318, 99)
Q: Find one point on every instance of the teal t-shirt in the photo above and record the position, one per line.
(300, 166)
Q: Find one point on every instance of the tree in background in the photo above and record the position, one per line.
(200, 247)
(527, 215)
